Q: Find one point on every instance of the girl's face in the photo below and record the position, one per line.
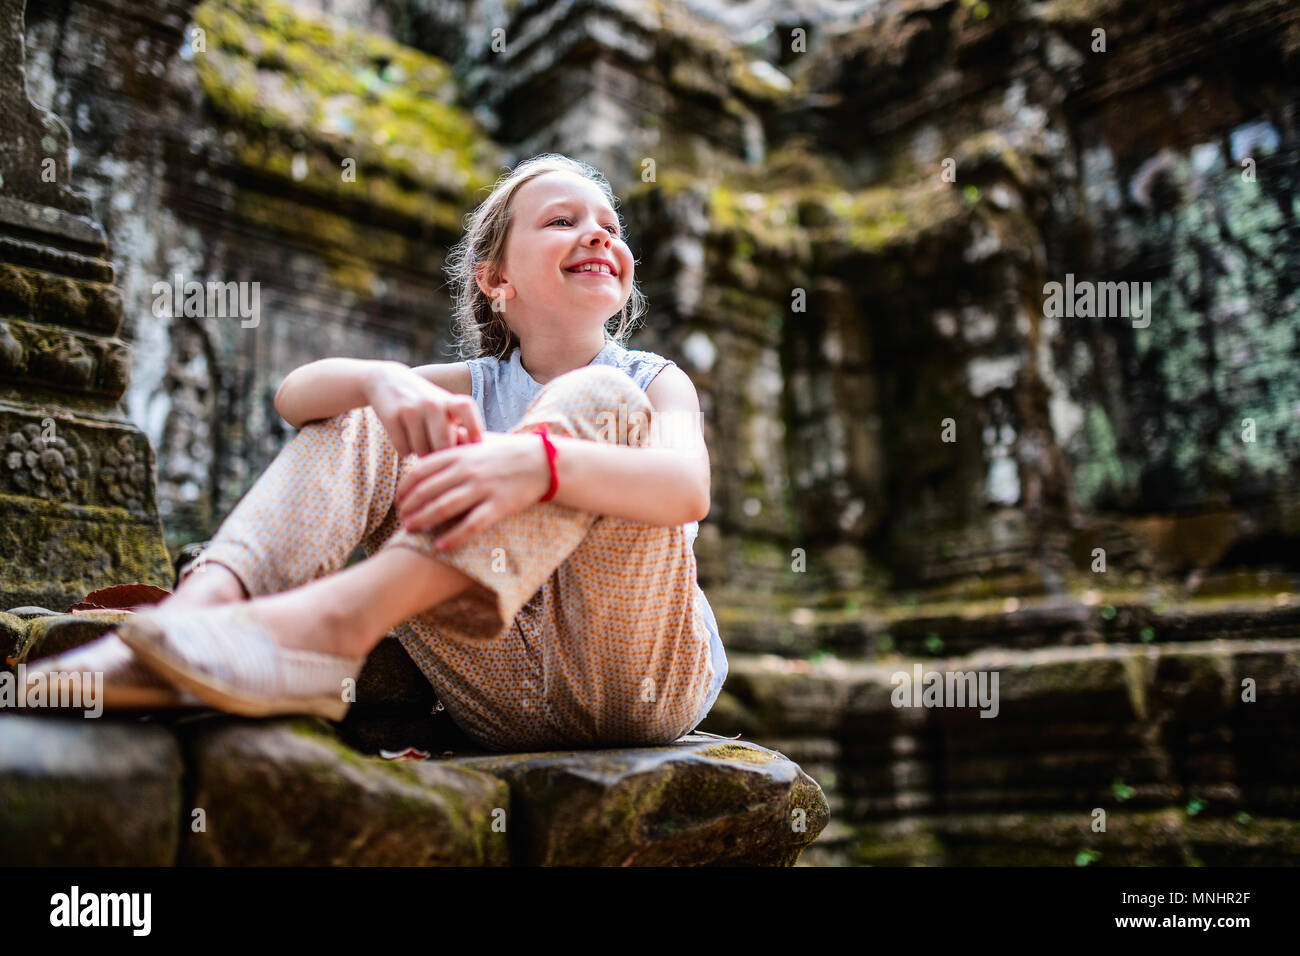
(561, 220)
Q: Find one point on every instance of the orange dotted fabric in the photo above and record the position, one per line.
(581, 630)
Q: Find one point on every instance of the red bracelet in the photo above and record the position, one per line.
(550, 460)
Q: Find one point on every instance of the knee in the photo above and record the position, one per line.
(599, 402)
(357, 426)
(602, 380)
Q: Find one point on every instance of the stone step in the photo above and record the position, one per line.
(959, 628)
(1196, 683)
(1147, 733)
(1168, 836)
(217, 790)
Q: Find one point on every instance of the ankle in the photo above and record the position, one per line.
(209, 584)
(335, 626)
(351, 632)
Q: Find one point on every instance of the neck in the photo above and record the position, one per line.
(547, 358)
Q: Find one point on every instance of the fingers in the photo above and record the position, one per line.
(475, 521)
(467, 414)
(407, 436)
(397, 435)
(423, 430)
(435, 512)
(458, 416)
(416, 431)
(436, 429)
(423, 468)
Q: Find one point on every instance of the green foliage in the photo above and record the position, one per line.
(1220, 346)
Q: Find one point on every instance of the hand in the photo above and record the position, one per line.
(421, 417)
(485, 481)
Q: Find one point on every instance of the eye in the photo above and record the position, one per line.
(612, 228)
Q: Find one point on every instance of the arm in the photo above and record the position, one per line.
(666, 485)
(652, 485)
(325, 388)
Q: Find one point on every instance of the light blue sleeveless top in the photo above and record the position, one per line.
(504, 390)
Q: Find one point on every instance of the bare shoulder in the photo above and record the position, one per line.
(453, 376)
(672, 390)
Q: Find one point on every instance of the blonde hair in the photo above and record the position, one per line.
(477, 330)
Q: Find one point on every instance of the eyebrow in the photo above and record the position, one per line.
(574, 202)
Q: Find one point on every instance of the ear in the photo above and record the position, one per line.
(489, 279)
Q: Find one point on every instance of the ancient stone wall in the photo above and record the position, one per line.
(77, 491)
(227, 164)
(845, 226)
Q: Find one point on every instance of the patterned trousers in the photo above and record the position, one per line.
(581, 630)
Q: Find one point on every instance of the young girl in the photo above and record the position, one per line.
(529, 523)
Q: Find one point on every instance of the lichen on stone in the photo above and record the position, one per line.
(307, 95)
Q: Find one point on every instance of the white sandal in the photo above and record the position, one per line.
(223, 656)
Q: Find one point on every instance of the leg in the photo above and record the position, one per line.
(298, 651)
(625, 651)
(624, 648)
(216, 585)
(299, 523)
(510, 668)
(349, 612)
(328, 489)
(590, 625)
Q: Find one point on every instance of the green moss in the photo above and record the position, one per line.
(737, 752)
(96, 549)
(744, 79)
(869, 220)
(290, 83)
(1089, 13)
(990, 148)
(308, 728)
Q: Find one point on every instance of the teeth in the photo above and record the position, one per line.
(593, 267)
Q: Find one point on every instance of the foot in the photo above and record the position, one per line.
(227, 658)
(127, 684)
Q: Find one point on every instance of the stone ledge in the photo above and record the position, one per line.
(87, 792)
(761, 623)
(768, 695)
(288, 792)
(702, 800)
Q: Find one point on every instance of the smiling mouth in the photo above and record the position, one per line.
(594, 270)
